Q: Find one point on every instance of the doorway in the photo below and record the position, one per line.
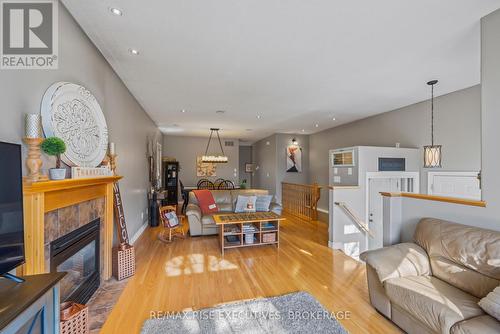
(245, 156)
(385, 182)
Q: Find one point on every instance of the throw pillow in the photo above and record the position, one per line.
(245, 204)
(171, 219)
(263, 202)
(491, 303)
(206, 201)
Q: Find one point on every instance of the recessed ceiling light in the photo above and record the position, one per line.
(183, 111)
(316, 125)
(116, 11)
(258, 116)
(303, 130)
(135, 52)
(334, 119)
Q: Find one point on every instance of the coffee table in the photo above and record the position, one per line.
(233, 227)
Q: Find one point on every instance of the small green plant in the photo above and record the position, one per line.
(54, 146)
(243, 184)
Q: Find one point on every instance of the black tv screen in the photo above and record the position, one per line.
(11, 208)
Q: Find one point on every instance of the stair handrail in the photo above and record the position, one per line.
(362, 226)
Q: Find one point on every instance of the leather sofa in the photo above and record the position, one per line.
(200, 224)
(434, 284)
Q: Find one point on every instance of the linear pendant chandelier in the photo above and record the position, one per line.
(432, 153)
(214, 159)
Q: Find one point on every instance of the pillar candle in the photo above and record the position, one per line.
(112, 148)
(33, 126)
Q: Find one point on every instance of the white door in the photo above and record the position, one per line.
(375, 207)
(454, 184)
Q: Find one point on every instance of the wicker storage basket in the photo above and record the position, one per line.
(74, 318)
(123, 261)
(268, 237)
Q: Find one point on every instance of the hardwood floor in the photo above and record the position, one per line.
(191, 274)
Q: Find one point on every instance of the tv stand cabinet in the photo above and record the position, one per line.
(31, 306)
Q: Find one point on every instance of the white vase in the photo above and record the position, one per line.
(57, 173)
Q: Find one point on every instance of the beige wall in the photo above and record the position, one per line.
(412, 210)
(245, 157)
(264, 157)
(271, 160)
(80, 62)
(457, 127)
(185, 150)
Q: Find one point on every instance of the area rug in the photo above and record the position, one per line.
(297, 312)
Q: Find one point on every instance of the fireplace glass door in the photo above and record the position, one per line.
(79, 268)
(77, 254)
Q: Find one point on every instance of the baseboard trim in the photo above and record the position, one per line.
(335, 245)
(139, 233)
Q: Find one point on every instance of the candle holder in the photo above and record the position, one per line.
(112, 162)
(33, 161)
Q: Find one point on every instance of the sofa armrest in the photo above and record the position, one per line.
(401, 260)
(276, 208)
(193, 210)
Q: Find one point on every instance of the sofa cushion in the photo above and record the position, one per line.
(208, 219)
(433, 302)
(225, 207)
(245, 204)
(400, 260)
(222, 196)
(491, 303)
(483, 324)
(206, 201)
(464, 256)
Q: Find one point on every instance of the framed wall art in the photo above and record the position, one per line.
(294, 159)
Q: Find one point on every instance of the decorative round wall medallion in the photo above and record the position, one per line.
(70, 112)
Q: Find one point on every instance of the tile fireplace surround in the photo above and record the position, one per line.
(55, 208)
(60, 222)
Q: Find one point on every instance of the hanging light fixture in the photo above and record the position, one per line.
(432, 153)
(215, 159)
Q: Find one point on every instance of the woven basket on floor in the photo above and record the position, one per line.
(74, 318)
(123, 261)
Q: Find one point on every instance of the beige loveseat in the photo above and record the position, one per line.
(200, 224)
(434, 284)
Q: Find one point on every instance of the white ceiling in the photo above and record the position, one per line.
(295, 63)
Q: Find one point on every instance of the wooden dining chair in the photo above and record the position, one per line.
(200, 181)
(185, 197)
(217, 183)
(206, 184)
(226, 185)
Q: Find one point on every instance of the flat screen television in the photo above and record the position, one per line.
(11, 208)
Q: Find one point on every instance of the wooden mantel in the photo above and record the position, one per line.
(45, 196)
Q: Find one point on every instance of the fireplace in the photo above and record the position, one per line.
(77, 253)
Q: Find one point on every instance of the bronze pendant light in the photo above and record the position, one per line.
(214, 159)
(432, 153)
